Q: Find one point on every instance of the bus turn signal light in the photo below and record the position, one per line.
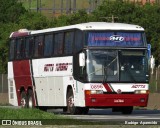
(88, 92)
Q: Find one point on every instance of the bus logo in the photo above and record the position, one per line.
(116, 38)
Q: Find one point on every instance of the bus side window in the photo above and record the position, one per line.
(78, 41)
(12, 49)
(29, 47)
(68, 45)
(20, 48)
(48, 45)
(38, 46)
(58, 46)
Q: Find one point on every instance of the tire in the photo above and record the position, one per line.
(30, 101)
(23, 100)
(127, 110)
(71, 109)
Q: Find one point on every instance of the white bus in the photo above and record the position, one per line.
(77, 67)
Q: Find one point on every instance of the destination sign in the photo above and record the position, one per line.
(121, 39)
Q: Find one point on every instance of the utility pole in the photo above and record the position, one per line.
(112, 18)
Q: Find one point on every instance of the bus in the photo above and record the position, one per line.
(78, 67)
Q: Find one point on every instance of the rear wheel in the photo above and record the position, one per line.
(23, 99)
(30, 103)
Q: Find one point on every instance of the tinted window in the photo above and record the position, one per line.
(20, 48)
(58, 46)
(68, 45)
(78, 41)
(48, 45)
(29, 47)
(12, 49)
(38, 46)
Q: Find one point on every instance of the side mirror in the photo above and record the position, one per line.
(81, 59)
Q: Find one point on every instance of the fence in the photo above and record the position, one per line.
(53, 8)
(3, 83)
(58, 7)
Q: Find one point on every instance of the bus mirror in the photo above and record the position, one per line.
(81, 59)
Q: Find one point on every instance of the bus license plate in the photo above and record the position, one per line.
(118, 100)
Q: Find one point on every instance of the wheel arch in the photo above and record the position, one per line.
(22, 88)
(29, 88)
(69, 87)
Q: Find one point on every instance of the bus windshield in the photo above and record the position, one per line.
(117, 66)
(115, 38)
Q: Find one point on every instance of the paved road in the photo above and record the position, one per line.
(138, 116)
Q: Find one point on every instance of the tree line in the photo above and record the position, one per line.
(13, 16)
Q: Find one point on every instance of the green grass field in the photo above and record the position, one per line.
(8, 113)
(45, 117)
(49, 3)
(37, 115)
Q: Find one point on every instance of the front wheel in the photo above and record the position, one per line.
(70, 104)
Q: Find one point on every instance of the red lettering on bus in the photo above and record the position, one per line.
(61, 67)
(138, 86)
(48, 67)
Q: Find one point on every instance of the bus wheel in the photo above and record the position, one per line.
(30, 99)
(127, 110)
(23, 99)
(70, 104)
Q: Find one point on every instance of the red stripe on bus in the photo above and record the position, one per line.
(22, 76)
(108, 88)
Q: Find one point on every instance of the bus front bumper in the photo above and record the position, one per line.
(113, 100)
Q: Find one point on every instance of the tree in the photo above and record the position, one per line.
(12, 18)
(10, 10)
(146, 16)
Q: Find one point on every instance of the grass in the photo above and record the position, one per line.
(8, 113)
(45, 117)
(49, 4)
(36, 115)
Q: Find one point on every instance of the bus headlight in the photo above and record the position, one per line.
(96, 92)
(141, 91)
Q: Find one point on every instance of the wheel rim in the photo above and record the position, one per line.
(30, 103)
(23, 102)
(70, 102)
